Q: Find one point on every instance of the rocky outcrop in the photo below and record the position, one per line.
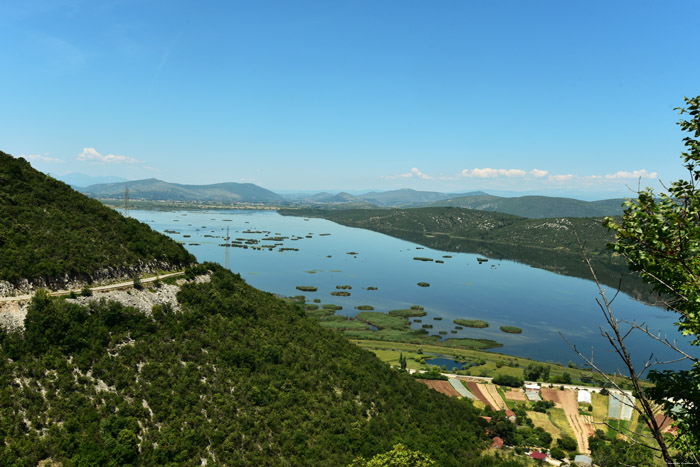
(143, 300)
(12, 313)
(98, 277)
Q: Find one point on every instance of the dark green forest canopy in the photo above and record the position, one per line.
(239, 377)
(48, 229)
(548, 244)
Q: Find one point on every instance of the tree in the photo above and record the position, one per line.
(400, 456)
(567, 443)
(402, 362)
(557, 453)
(660, 237)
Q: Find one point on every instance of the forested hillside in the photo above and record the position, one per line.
(49, 230)
(239, 377)
(537, 207)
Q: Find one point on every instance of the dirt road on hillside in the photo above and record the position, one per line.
(101, 288)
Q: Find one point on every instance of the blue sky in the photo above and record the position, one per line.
(552, 97)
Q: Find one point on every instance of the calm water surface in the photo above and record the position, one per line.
(542, 303)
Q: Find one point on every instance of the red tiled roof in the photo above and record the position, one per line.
(497, 442)
(538, 455)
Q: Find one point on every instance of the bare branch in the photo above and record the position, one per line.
(617, 342)
(672, 346)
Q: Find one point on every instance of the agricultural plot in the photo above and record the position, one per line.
(488, 394)
(543, 421)
(441, 386)
(459, 387)
(580, 425)
(516, 395)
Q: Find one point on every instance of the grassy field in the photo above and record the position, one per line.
(600, 410)
(471, 343)
(493, 362)
(472, 323)
(407, 313)
(383, 320)
(558, 419)
(543, 420)
(413, 360)
(343, 324)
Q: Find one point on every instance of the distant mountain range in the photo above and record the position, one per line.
(402, 198)
(153, 189)
(525, 206)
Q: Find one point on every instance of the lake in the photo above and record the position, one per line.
(501, 292)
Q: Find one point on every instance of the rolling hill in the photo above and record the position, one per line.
(403, 198)
(51, 234)
(154, 189)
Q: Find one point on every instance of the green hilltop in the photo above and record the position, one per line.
(536, 206)
(49, 231)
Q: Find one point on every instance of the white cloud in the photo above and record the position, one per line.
(41, 157)
(634, 174)
(419, 174)
(90, 154)
(561, 178)
(413, 173)
(490, 178)
(493, 173)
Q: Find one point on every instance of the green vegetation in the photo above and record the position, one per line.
(341, 323)
(45, 231)
(343, 287)
(407, 313)
(400, 455)
(396, 329)
(659, 235)
(421, 258)
(307, 288)
(383, 320)
(423, 284)
(511, 329)
(107, 384)
(466, 343)
(537, 206)
(364, 307)
(336, 293)
(609, 451)
(507, 380)
(521, 433)
(472, 323)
